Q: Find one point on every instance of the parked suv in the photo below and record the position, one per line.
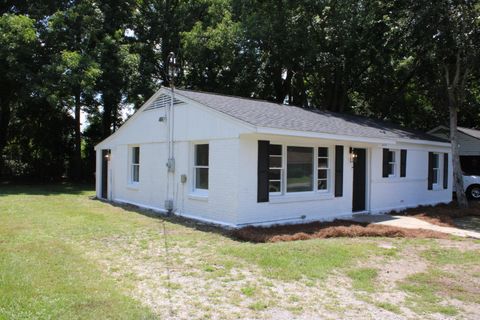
(472, 186)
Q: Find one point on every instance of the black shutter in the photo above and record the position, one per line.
(430, 170)
(445, 171)
(403, 163)
(385, 163)
(262, 176)
(338, 171)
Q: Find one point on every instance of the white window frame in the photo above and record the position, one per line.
(395, 163)
(327, 169)
(281, 168)
(133, 165)
(284, 170)
(199, 191)
(436, 184)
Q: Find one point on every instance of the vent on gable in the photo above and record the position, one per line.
(162, 101)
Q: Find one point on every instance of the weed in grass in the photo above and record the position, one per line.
(389, 307)
(363, 279)
(209, 269)
(248, 291)
(295, 309)
(258, 306)
(144, 244)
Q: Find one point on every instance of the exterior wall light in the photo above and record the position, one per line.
(353, 155)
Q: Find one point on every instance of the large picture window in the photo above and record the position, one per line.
(201, 166)
(135, 165)
(299, 169)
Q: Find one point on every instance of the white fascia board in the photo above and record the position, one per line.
(426, 142)
(318, 135)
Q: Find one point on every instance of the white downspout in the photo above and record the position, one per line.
(169, 206)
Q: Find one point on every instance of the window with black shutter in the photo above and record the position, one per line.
(338, 171)
(445, 171)
(262, 172)
(403, 163)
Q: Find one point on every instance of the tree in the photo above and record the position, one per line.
(17, 46)
(118, 63)
(73, 34)
(447, 33)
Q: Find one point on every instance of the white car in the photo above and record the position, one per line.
(472, 186)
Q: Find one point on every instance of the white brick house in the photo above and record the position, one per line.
(237, 161)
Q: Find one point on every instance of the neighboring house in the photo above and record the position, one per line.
(240, 161)
(469, 141)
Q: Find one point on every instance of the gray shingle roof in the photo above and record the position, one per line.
(471, 132)
(272, 115)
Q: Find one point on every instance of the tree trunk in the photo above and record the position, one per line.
(77, 157)
(107, 115)
(454, 102)
(457, 170)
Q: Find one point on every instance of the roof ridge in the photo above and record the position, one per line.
(239, 97)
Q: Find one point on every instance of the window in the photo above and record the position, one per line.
(323, 169)
(275, 171)
(436, 168)
(201, 167)
(299, 169)
(135, 165)
(392, 163)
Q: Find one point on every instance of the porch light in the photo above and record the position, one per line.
(353, 155)
(107, 157)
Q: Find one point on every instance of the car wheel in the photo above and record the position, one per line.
(474, 192)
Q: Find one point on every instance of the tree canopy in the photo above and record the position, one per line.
(70, 69)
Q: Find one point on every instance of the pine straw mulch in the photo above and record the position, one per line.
(336, 228)
(443, 214)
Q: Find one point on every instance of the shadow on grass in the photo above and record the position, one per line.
(42, 189)
(174, 219)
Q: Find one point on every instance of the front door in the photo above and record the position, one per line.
(359, 180)
(105, 158)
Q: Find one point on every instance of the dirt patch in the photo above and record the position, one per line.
(336, 228)
(442, 214)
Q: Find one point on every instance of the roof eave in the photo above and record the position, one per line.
(329, 136)
(320, 135)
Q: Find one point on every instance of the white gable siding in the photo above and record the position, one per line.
(469, 146)
(192, 122)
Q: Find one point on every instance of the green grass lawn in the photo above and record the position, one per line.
(64, 255)
(43, 273)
